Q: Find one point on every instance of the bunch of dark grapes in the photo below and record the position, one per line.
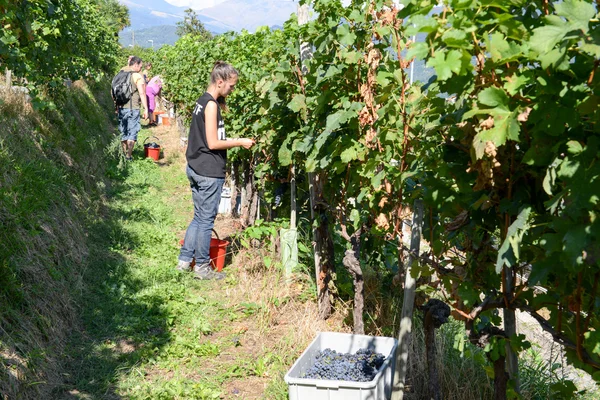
(359, 367)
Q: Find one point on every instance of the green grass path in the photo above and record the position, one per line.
(151, 332)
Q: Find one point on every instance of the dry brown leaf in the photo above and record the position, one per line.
(382, 222)
(373, 58)
(488, 123)
(398, 24)
(382, 202)
(365, 117)
(370, 137)
(387, 17)
(388, 187)
(524, 116)
(490, 149)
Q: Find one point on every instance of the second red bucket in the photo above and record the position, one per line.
(152, 149)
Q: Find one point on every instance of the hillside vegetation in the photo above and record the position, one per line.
(52, 186)
(160, 35)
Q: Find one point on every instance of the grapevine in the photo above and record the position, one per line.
(501, 144)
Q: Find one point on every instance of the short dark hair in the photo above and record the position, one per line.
(134, 60)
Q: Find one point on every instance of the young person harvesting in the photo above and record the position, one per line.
(146, 72)
(206, 156)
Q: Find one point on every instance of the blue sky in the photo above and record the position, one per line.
(195, 4)
(218, 16)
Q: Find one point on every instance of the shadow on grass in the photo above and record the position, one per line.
(56, 167)
(120, 327)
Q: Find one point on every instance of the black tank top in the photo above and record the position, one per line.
(202, 160)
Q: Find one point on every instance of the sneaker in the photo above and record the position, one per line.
(205, 272)
(128, 158)
(183, 266)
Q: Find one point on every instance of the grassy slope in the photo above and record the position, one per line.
(51, 183)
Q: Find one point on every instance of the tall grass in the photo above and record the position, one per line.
(51, 185)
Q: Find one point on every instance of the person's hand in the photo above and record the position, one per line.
(247, 143)
(145, 116)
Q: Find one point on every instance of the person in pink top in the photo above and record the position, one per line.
(152, 90)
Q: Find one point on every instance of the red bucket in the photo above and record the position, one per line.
(165, 120)
(217, 252)
(152, 150)
(152, 153)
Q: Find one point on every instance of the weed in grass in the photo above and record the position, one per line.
(461, 372)
(203, 327)
(249, 308)
(277, 389)
(260, 366)
(174, 388)
(541, 379)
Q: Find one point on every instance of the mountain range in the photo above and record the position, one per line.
(153, 21)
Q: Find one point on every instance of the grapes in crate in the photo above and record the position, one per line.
(359, 367)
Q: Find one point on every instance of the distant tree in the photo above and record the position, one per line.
(191, 25)
(115, 14)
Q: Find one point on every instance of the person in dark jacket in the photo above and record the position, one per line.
(206, 155)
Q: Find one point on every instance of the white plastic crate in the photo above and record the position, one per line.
(380, 388)
(225, 203)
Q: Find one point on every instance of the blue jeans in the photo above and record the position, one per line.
(206, 194)
(129, 124)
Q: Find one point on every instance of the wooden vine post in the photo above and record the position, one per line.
(510, 327)
(352, 263)
(292, 263)
(246, 193)
(435, 314)
(235, 188)
(289, 237)
(405, 331)
(509, 316)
